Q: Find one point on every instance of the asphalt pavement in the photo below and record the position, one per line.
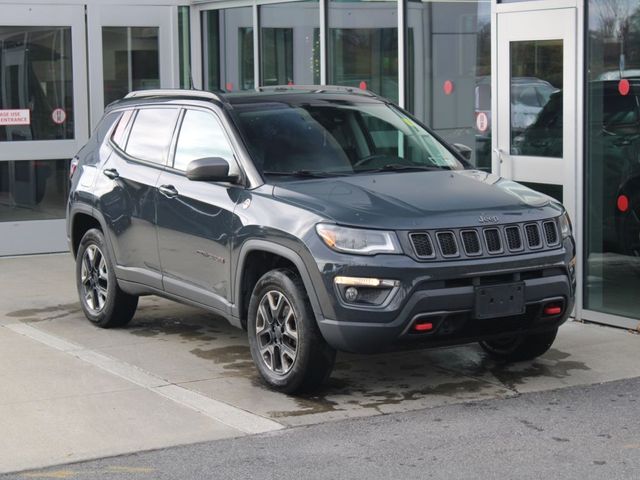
(582, 433)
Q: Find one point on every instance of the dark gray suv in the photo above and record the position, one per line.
(318, 219)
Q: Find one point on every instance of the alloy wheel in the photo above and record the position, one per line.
(94, 276)
(277, 332)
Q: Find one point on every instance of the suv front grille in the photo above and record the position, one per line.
(471, 242)
(476, 242)
(533, 235)
(448, 245)
(514, 240)
(551, 233)
(422, 245)
(492, 237)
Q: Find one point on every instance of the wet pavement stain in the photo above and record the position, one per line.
(32, 315)
(234, 358)
(513, 376)
(170, 327)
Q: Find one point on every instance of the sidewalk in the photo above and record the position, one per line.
(177, 375)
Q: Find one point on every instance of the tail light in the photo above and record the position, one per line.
(73, 167)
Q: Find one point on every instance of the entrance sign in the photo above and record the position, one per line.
(15, 117)
(482, 122)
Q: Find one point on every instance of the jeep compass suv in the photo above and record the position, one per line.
(318, 219)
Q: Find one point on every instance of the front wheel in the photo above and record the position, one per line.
(285, 341)
(102, 301)
(520, 348)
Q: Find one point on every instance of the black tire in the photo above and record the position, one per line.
(101, 299)
(518, 349)
(314, 358)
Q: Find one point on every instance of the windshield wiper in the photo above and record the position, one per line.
(304, 174)
(396, 167)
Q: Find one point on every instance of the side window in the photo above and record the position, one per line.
(201, 135)
(151, 134)
(118, 134)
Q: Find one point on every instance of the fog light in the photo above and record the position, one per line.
(351, 294)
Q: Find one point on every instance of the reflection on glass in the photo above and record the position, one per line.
(227, 42)
(290, 36)
(33, 189)
(129, 60)
(201, 136)
(151, 134)
(363, 46)
(36, 75)
(612, 270)
(451, 42)
(536, 98)
(184, 47)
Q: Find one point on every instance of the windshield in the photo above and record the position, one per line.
(338, 138)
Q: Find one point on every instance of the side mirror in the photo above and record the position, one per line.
(209, 169)
(463, 150)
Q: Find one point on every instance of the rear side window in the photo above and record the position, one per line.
(151, 134)
(201, 135)
(118, 136)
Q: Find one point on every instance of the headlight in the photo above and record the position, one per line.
(358, 241)
(565, 225)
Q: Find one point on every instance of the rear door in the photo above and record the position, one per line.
(127, 190)
(195, 219)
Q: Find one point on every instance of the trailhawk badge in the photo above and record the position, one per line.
(488, 219)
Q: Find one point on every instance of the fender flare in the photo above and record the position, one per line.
(283, 251)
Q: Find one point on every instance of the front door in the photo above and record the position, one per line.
(132, 48)
(196, 219)
(536, 99)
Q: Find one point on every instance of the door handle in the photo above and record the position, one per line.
(168, 191)
(111, 173)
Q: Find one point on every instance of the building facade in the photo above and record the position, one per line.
(546, 92)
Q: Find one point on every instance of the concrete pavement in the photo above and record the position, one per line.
(177, 375)
(584, 433)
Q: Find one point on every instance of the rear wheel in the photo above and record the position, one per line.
(285, 341)
(520, 348)
(102, 301)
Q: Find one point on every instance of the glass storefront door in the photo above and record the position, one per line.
(536, 101)
(138, 46)
(612, 164)
(43, 122)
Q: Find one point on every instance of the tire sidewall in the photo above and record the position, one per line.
(285, 283)
(96, 237)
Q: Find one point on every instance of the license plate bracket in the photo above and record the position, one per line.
(497, 301)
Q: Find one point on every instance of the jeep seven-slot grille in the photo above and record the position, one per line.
(448, 245)
(551, 233)
(471, 242)
(422, 245)
(492, 237)
(514, 240)
(485, 241)
(533, 235)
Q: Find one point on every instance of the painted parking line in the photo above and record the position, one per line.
(229, 415)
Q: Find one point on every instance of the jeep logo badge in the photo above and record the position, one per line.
(488, 219)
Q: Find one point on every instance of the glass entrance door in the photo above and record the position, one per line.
(43, 122)
(133, 48)
(536, 101)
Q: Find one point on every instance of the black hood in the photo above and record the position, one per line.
(410, 200)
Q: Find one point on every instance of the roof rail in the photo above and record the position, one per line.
(178, 92)
(316, 88)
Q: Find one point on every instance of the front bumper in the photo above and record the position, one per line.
(444, 294)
